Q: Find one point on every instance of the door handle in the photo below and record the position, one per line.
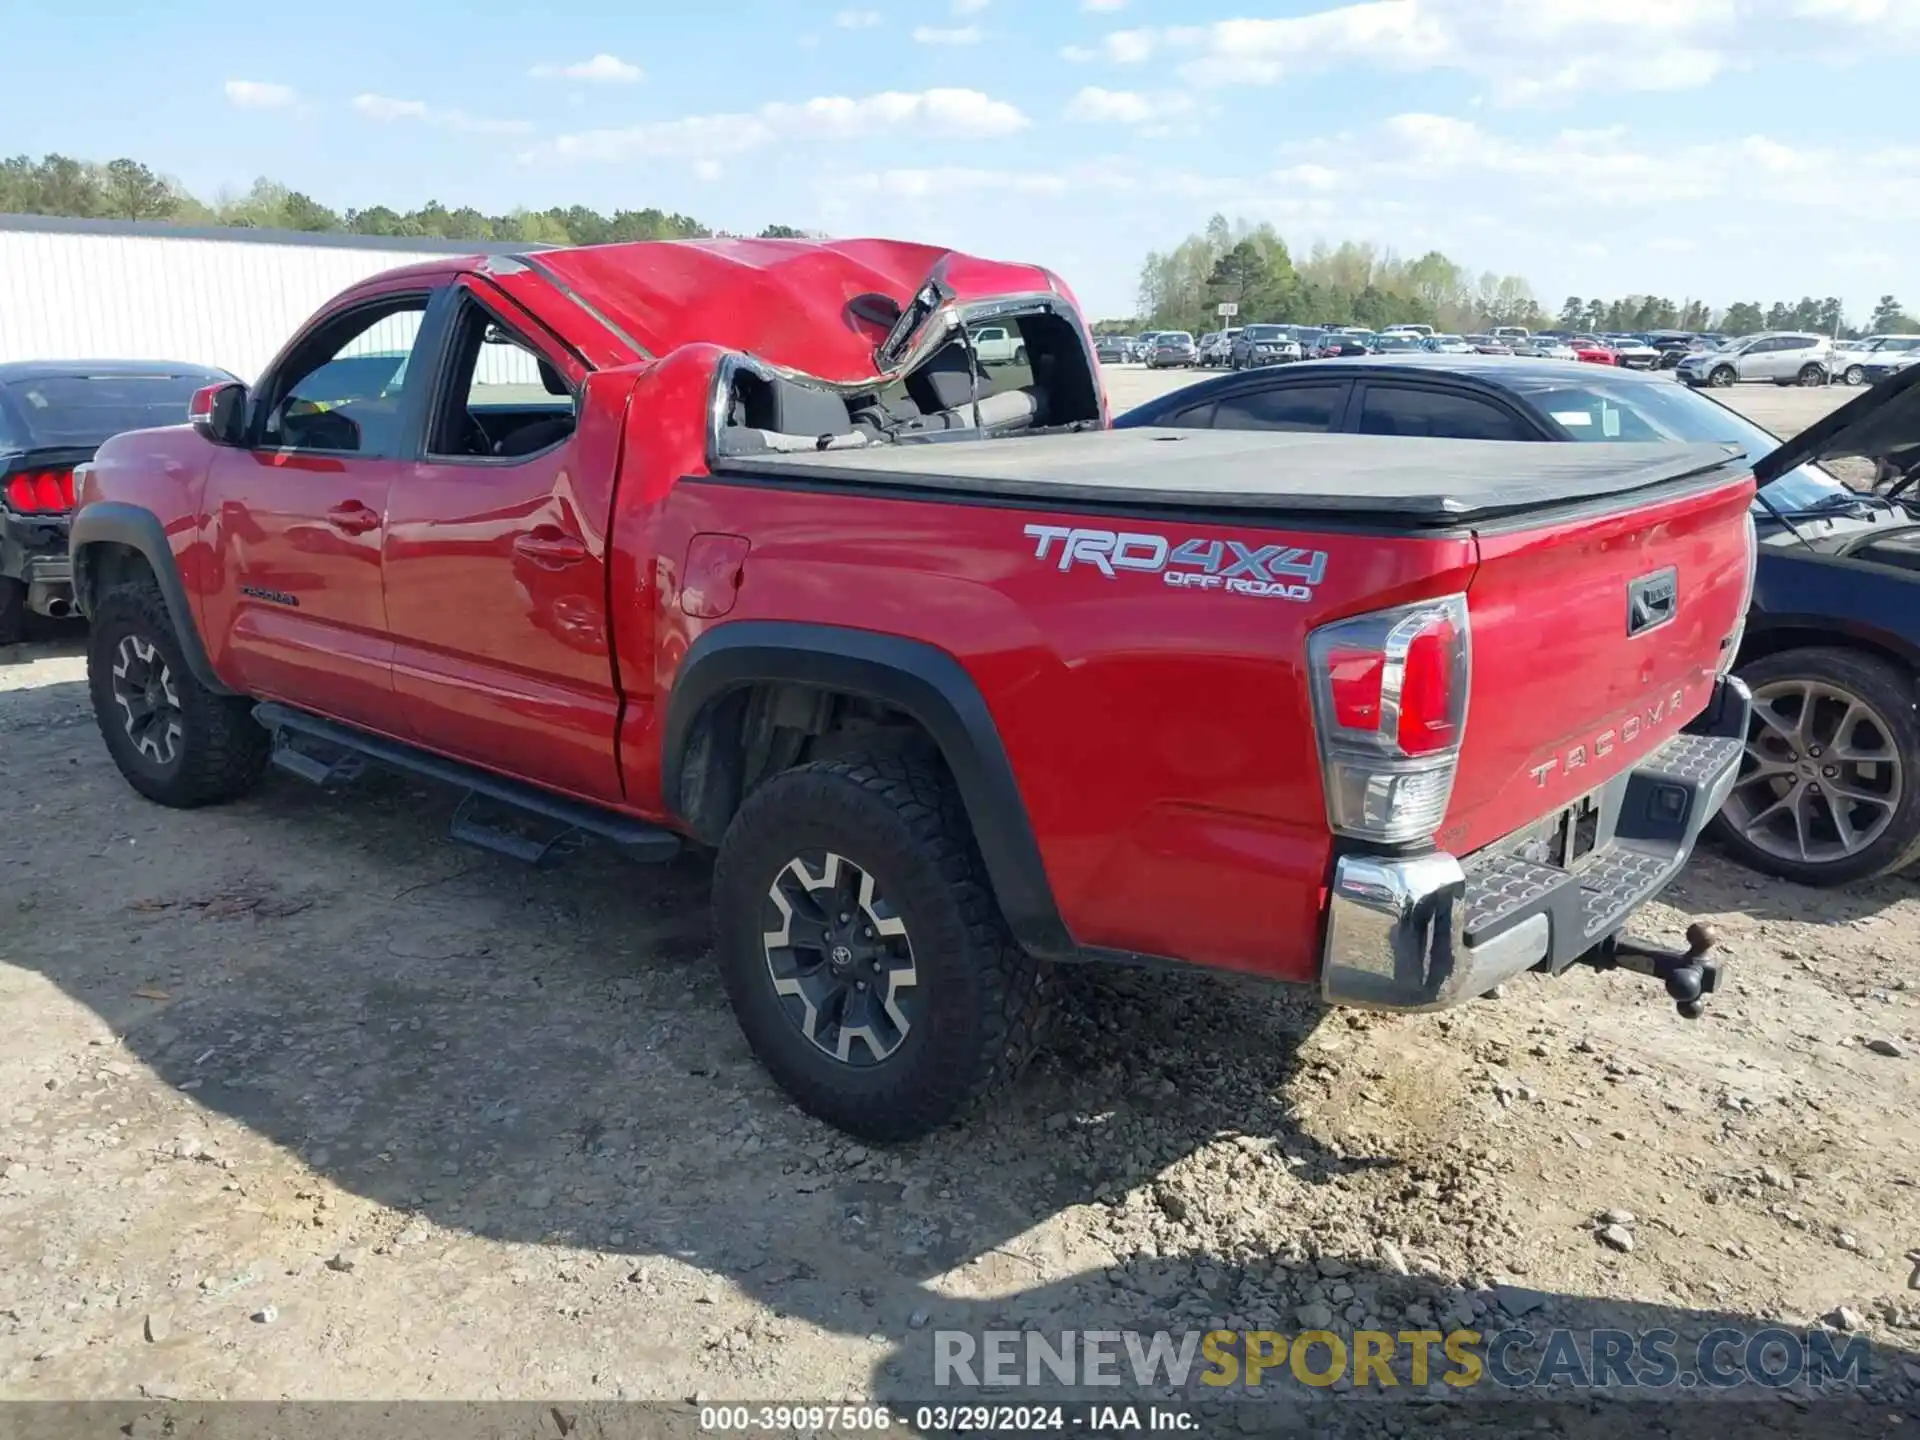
(354, 518)
(550, 549)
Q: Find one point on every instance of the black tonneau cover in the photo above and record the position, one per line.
(1406, 481)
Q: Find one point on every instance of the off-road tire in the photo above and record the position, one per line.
(899, 819)
(1891, 693)
(221, 752)
(13, 610)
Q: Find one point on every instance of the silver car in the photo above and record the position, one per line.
(1786, 357)
(1852, 357)
(1545, 347)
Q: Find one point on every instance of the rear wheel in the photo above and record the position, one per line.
(1812, 375)
(865, 958)
(1020, 355)
(1722, 376)
(176, 741)
(1827, 791)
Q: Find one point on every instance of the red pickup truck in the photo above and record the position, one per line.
(737, 543)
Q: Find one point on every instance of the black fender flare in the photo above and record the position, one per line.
(913, 677)
(114, 522)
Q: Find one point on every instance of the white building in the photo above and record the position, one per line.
(133, 290)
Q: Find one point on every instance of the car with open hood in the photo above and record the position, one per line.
(1829, 790)
(738, 545)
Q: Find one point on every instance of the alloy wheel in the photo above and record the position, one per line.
(840, 959)
(1821, 778)
(1855, 375)
(149, 704)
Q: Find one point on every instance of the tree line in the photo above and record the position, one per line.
(125, 189)
(1352, 283)
(1180, 289)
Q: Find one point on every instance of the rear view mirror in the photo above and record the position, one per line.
(218, 412)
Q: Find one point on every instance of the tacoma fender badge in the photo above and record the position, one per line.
(1272, 572)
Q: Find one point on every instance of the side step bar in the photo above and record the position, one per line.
(324, 752)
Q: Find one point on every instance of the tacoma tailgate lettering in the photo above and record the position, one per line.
(1641, 722)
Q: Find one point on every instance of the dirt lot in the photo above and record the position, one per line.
(298, 1098)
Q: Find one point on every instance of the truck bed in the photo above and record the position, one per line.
(1404, 481)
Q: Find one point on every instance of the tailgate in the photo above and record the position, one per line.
(1595, 639)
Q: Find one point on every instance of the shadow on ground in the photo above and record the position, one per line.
(547, 1059)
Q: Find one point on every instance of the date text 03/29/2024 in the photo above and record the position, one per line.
(947, 1419)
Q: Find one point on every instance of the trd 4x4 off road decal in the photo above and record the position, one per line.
(1274, 572)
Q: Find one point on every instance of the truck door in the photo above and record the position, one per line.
(293, 610)
(496, 556)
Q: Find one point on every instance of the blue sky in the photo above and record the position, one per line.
(1728, 149)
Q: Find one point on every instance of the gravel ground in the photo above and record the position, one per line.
(299, 1099)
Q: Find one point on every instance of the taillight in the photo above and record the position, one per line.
(41, 492)
(1390, 711)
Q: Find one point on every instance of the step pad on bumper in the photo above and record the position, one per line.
(1624, 869)
(1422, 932)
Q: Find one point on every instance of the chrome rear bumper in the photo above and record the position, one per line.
(1425, 932)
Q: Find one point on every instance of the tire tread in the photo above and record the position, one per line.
(226, 751)
(1016, 987)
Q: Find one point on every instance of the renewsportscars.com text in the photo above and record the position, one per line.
(1724, 1359)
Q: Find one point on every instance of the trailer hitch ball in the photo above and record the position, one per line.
(1694, 978)
(1690, 976)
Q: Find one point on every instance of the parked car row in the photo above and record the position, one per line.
(1696, 358)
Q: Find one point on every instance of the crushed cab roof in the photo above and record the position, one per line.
(785, 301)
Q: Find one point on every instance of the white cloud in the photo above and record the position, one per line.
(857, 19)
(1103, 4)
(947, 113)
(386, 109)
(1852, 12)
(970, 7)
(1563, 176)
(1489, 192)
(956, 35)
(1131, 47)
(1526, 50)
(1127, 107)
(1877, 22)
(259, 94)
(956, 180)
(602, 69)
(708, 170)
